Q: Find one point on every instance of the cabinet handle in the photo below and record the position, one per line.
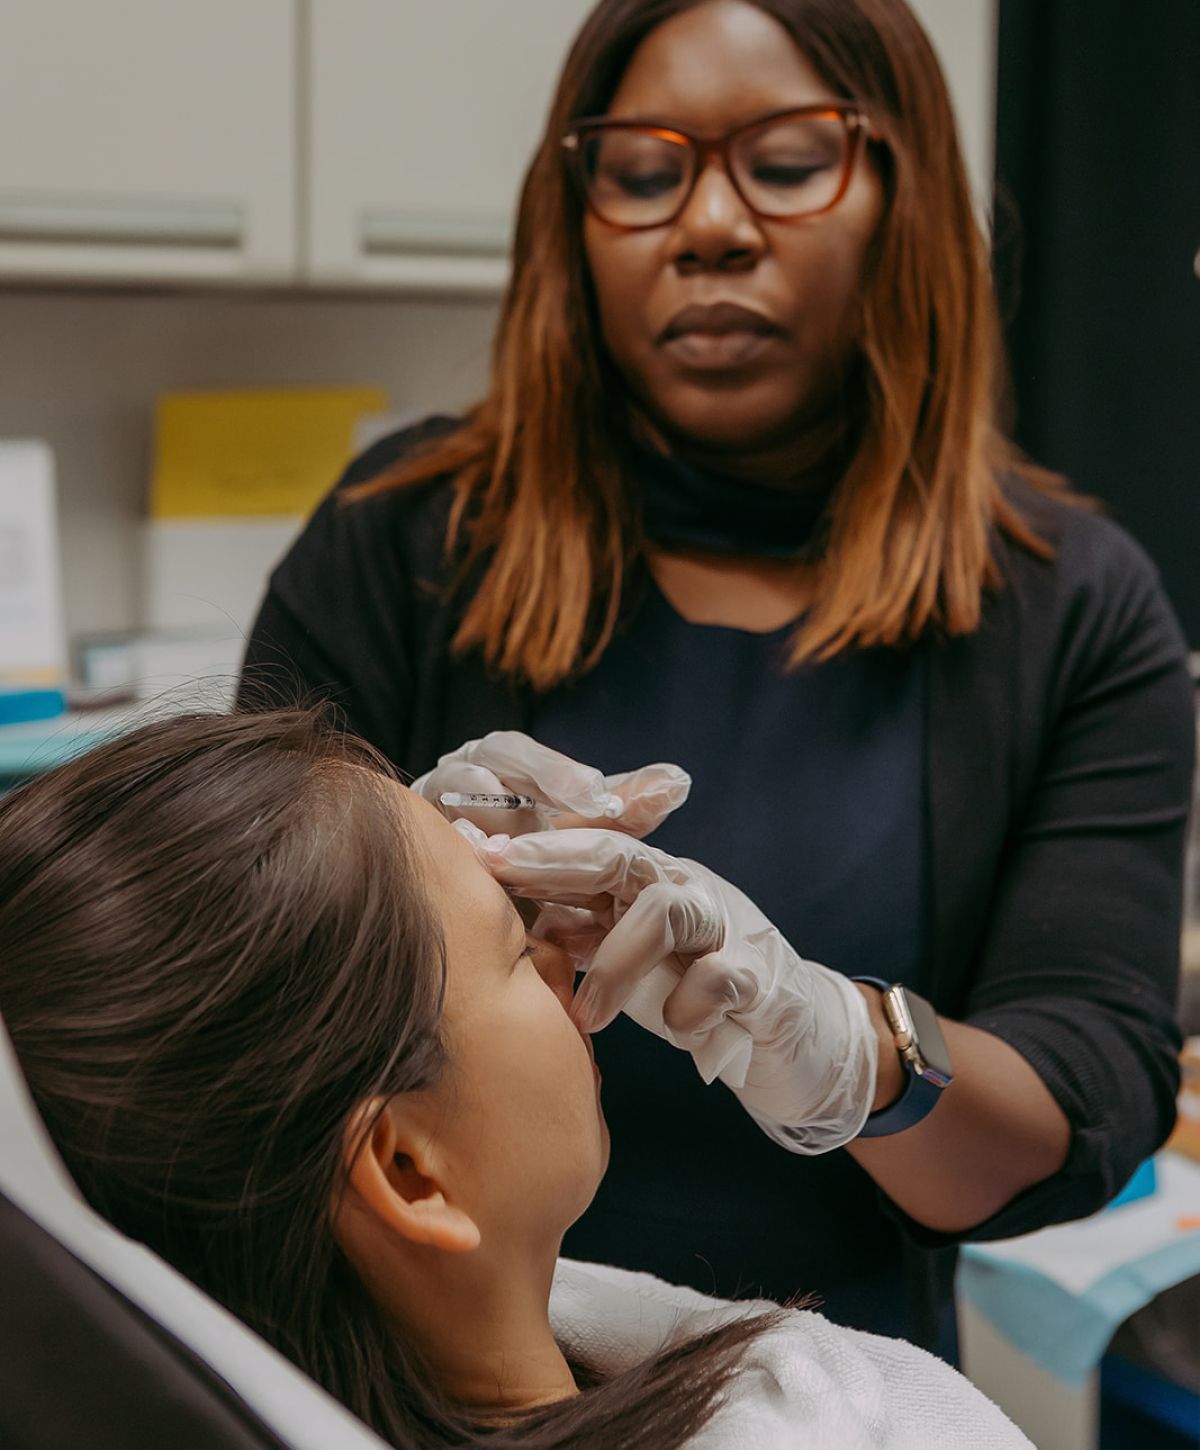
(406, 234)
(122, 222)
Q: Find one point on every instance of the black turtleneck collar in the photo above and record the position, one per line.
(685, 507)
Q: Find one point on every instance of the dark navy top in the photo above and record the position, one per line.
(817, 781)
(808, 794)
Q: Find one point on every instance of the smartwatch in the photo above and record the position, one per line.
(923, 1052)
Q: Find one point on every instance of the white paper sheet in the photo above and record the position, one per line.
(1077, 1255)
(32, 643)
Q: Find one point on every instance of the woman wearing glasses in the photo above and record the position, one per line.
(737, 498)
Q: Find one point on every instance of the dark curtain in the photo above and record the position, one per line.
(1098, 259)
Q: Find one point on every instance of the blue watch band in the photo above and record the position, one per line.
(918, 1099)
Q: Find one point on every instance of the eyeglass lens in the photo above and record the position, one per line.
(640, 177)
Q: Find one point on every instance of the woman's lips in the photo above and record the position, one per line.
(718, 336)
(718, 351)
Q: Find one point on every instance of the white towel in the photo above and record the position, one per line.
(806, 1385)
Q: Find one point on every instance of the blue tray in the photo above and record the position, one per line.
(19, 706)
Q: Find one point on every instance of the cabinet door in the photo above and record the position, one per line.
(147, 140)
(422, 118)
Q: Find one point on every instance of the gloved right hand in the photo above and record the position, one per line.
(810, 1077)
(565, 793)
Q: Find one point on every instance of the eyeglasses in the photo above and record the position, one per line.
(792, 164)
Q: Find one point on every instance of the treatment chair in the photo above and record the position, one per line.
(103, 1344)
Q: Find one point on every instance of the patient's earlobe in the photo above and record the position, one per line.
(393, 1176)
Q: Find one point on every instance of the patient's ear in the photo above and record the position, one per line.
(393, 1176)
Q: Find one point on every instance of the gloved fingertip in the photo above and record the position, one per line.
(580, 1012)
(591, 1023)
(471, 832)
(488, 848)
(587, 1011)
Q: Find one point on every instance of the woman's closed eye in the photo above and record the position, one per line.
(647, 184)
(788, 173)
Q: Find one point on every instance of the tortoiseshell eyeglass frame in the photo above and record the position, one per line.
(702, 148)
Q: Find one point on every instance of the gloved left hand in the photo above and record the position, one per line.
(622, 908)
(564, 792)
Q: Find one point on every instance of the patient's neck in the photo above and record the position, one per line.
(481, 1321)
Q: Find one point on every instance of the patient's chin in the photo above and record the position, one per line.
(592, 1165)
(606, 1148)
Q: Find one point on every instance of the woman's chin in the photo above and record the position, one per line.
(600, 1163)
(731, 423)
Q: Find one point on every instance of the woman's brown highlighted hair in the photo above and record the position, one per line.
(214, 947)
(543, 506)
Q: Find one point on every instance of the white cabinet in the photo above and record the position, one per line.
(339, 142)
(330, 143)
(422, 118)
(146, 139)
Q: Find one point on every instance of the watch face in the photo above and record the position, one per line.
(930, 1042)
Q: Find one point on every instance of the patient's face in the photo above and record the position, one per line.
(522, 1114)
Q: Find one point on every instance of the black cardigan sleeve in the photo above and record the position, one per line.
(1079, 964)
(336, 622)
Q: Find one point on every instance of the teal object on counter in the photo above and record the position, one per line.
(1057, 1295)
(19, 706)
(1143, 1183)
(31, 746)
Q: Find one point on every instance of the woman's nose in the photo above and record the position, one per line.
(716, 226)
(555, 968)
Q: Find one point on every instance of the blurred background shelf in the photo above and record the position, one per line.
(28, 749)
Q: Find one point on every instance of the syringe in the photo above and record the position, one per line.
(489, 801)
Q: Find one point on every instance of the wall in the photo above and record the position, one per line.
(82, 368)
(964, 34)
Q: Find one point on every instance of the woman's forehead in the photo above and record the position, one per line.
(716, 66)
(460, 888)
(445, 851)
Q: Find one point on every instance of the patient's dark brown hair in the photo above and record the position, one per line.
(215, 945)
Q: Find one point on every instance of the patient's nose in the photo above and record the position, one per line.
(555, 967)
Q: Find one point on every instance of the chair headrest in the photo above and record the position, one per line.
(33, 1176)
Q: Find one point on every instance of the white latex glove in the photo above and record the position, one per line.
(565, 792)
(628, 912)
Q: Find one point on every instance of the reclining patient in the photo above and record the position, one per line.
(287, 1031)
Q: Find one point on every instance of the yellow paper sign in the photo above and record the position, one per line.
(258, 452)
